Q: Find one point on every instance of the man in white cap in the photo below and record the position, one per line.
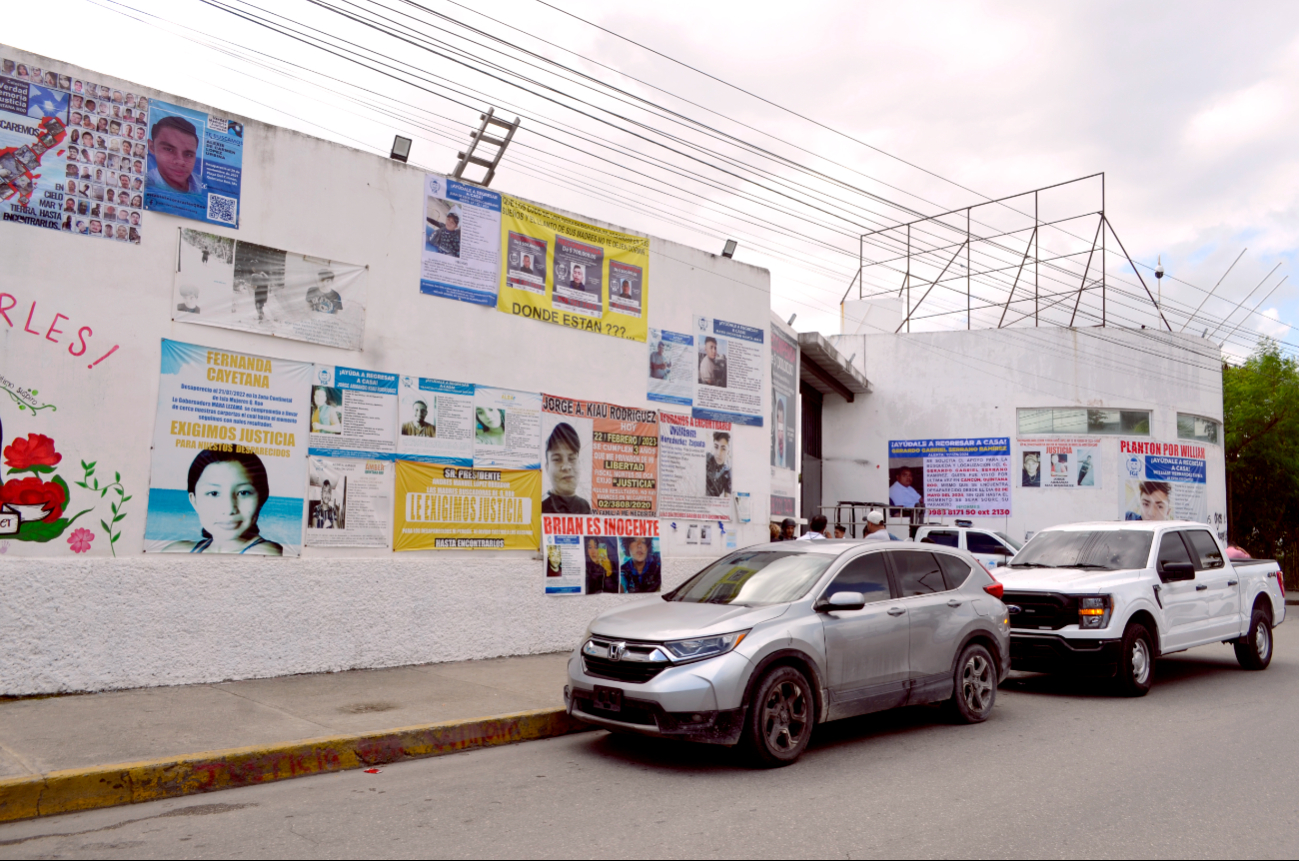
(875, 529)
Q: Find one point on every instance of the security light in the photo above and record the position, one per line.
(791, 319)
(400, 149)
(729, 250)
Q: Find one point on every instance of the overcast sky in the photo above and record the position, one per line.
(1188, 108)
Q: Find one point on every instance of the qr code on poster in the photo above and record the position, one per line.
(222, 209)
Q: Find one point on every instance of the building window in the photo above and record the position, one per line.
(1198, 428)
(1076, 420)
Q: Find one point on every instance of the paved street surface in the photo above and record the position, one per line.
(1205, 766)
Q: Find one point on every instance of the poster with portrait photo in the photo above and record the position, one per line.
(672, 367)
(951, 477)
(353, 413)
(695, 460)
(1163, 481)
(730, 372)
(228, 473)
(525, 263)
(461, 256)
(641, 565)
(507, 428)
(598, 457)
(625, 289)
(438, 422)
(195, 164)
(784, 399)
(1060, 462)
(349, 502)
(566, 459)
(578, 277)
(588, 555)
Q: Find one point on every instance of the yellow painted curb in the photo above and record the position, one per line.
(134, 782)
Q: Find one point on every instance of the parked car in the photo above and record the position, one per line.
(762, 645)
(992, 549)
(1108, 598)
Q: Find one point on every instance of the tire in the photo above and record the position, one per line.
(975, 689)
(1254, 650)
(780, 719)
(1136, 662)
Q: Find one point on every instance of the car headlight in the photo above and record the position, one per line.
(697, 648)
(1094, 611)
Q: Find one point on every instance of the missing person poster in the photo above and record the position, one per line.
(784, 399)
(442, 507)
(462, 241)
(728, 372)
(951, 477)
(598, 457)
(1163, 481)
(671, 367)
(349, 502)
(507, 428)
(353, 413)
(229, 453)
(72, 154)
(437, 421)
(694, 468)
(1060, 462)
(570, 273)
(586, 555)
(238, 285)
(195, 165)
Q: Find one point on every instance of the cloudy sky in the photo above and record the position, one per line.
(795, 133)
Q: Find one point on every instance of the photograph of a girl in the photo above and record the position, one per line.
(227, 491)
(326, 410)
(490, 426)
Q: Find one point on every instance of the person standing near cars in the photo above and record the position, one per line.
(815, 529)
(875, 528)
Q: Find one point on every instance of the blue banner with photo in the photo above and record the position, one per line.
(195, 166)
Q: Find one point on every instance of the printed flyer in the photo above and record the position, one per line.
(951, 477)
(784, 399)
(195, 165)
(349, 502)
(586, 555)
(452, 508)
(598, 457)
(671, 367)
(462, 241)
(353, 413)
(1060, 462)
(437, 421)
(694, 468)
(229, 453)
(507, 428)
(729, 372)
(238, 285)
(1163, 481)
(567, 272)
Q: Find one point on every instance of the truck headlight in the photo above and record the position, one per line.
(698, 648)
(1094, 611)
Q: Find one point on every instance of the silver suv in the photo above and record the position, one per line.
(765, 643)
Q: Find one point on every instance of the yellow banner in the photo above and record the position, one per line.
(571, 273)
(457, 508)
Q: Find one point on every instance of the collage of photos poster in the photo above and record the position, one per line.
(1059, 462)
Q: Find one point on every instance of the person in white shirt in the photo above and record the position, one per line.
(902, 493)
(815, 529)
(875, 529)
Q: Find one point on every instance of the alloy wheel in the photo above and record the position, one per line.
(785, 716)
(976, 683)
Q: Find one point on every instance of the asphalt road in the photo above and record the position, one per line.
(1207, 765)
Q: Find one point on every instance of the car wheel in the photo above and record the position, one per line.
(780, 718)
(1136, 662)
(1254, 650)
(976, 686)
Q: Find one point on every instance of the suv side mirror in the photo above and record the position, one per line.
(841, 601)
(1172, 571)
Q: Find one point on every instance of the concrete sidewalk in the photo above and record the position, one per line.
(135, 745)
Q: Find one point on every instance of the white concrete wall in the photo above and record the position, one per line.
(969, 384)
(95, 622)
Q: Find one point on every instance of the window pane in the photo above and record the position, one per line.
(982, 542)
(865, 574)
(955, 569)
(945, 538)
(918, 573)
(1068, 421)
(1032, 422)
(1171, 549)
(1135, 421)
(1065, 420)
(1206, 549)
(1198, 428)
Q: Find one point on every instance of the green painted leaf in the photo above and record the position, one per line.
(113, 540)
(36, 530)
(106, 529)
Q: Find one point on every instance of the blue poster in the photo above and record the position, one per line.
(33, 129)
(195, 165)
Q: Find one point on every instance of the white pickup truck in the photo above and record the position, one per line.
(1108, 598)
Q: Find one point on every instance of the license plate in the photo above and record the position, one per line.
(608, 699)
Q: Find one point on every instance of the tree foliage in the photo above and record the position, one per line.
(1260, 402)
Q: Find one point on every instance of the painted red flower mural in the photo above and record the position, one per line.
(33, 453)
(31, 490)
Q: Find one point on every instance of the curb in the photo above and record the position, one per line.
(135, 782)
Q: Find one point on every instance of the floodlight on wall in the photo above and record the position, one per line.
(729, 250)
(400, 149)
(791, 319)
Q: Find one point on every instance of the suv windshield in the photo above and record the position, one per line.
(1017, 545)
(753, 578)
(1111, 550)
